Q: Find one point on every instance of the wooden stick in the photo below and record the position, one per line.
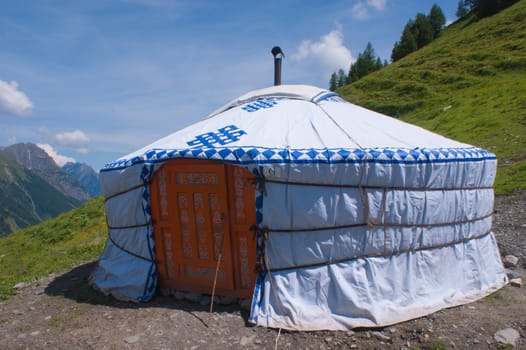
(214, 289)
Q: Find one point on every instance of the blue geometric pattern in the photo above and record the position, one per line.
(326, 96)
(264, 155)
(151, 279)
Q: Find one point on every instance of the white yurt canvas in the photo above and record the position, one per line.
(362, 220)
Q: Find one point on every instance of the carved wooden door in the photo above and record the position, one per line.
(202, 213)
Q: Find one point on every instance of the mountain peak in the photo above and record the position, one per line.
(34, 158)
(85, 175)
(31, 156)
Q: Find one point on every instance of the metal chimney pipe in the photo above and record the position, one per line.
(278, 56)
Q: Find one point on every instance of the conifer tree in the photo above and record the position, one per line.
(419, 32)
(422, 30)
(406, 45)
(437, 20)
(342, 78)
(484, 8)
(471, 4)
(462, 10)
(333, 82)
(366, 63)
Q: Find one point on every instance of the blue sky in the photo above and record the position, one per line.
(95, 80)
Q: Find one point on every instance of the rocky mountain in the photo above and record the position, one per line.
(33, 158)
(26, 198)
(34, 188)
(85, 175)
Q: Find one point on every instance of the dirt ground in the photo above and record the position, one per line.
(63, 312)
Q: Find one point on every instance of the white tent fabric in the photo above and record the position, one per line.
(364, 220)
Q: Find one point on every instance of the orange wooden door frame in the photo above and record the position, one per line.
(202, 210)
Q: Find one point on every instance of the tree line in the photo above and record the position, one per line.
(482, 8)
(417, 33)
(366, 63)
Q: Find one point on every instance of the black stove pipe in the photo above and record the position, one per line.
(278, 56)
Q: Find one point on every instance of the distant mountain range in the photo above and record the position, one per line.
(85, 175)
(33, 188)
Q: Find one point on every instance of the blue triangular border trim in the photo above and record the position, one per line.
(265, 155)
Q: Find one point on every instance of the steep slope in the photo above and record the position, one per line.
(85, 175)
(36, 159)
(469, 84)
(25, 198)
(51, 246)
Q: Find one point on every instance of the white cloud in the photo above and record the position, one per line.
(377, 4)
(75, 140)
(329, 53)
(13, 101)
(361, 9)
(59, 159)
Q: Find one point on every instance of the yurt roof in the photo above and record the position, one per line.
(298, 123)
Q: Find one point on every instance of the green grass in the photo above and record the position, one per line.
(436, 344)
(469, 85)
(498, 297)
(53, 246)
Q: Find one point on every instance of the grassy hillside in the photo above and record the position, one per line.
(52, 246)
(469, 85)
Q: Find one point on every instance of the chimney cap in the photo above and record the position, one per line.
(276, 50)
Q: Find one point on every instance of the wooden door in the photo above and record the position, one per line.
(202, 212)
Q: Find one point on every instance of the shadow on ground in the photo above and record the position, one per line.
(74, 285)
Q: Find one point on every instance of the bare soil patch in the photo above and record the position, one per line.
(63, 312)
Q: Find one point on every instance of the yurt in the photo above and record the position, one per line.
(325, 214)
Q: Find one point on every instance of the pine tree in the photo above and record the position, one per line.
(462, 10)
(471, 4)
(484, 8)
(406, 45)
(333, 82)
(378, 64)
(437, 20)
(366, 63)
(342, 78)
(422, 30)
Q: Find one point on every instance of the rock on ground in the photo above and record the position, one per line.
(507, 336)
